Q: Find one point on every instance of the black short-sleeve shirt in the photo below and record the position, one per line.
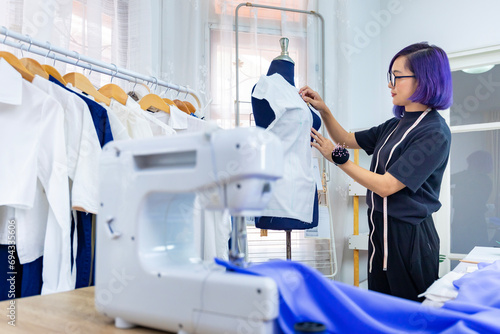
(418, 162)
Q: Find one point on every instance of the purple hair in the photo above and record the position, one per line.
(431, 68)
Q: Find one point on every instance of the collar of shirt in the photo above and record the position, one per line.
(178, 118)
(131, 103)
(11, 85)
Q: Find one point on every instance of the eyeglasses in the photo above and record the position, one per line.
(392, 78)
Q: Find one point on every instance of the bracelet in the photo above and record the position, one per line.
(340, 155)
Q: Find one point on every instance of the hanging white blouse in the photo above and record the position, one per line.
(118, 127)
(82, 146)
(32, 130)
(176, 119)
(182, 122)
(292, 195)
(137, 127)
(158, 128)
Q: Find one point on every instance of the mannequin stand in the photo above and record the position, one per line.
(288, 244)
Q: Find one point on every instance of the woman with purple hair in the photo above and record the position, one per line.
(410, 153)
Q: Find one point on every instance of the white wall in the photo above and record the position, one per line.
(454, 25)
(354, 97)
(364, 38)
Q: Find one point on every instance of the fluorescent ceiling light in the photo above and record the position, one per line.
(478, 70)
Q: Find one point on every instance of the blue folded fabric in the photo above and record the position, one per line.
(305, 295)
(478, 291)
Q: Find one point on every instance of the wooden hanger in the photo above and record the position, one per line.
(81, 82)
(55, 73)
(34, 67)
(147, 87)
(16, 63)
(197, 100)
(182, 106)
(114, 91)
(190, 107)
(153, 100)
(169, 101)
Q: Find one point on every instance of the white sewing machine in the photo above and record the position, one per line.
(149, 270)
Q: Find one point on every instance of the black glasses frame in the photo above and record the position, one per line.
(392, 78)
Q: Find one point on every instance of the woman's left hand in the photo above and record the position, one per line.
(324, 145)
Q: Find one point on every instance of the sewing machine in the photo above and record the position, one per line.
(149, 267)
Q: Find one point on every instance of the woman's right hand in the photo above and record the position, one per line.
(313, 98)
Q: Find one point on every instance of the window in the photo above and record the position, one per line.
(100, 36)
(260, 30)
(475, 158)
(252, 64)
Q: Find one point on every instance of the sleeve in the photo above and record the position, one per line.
(368, 139)
(262, 90)
(53, 175)
(84, 193)
(426, 153)
(279, 93)
(118, 129)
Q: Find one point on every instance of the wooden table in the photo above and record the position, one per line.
(66, 312)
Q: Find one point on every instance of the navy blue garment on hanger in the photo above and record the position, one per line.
(19, 280)
(28, 277)
(84, 261)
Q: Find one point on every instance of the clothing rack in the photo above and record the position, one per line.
(283, 9)
(26, 43)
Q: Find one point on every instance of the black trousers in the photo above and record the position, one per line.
(413, 257)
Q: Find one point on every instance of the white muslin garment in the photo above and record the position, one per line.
(34, 153)
(196, 125)
(176, 119)
(118, 128)
(182, 122)
(82, 146)
(137, 127)
(292, 195)
(158, 128)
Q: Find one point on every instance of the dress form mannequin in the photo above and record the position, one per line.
(264, 116)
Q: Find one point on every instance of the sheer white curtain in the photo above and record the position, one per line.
(114, 31)
(182, 45)
(198, 49)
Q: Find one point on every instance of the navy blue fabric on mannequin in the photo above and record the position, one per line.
(264, 115)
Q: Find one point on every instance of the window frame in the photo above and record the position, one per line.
(300, 63)
(458, 61)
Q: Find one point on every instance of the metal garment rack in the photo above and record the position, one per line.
(237, 101)
(311, 12)
(72, 57)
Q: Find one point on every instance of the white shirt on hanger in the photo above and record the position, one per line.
(136, 125)
(158, 128)
(82, 146)
(32, 128)
(118, 129)
(182, 122)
